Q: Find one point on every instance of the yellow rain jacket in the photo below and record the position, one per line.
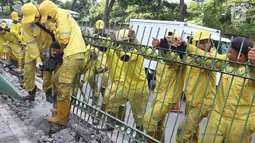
(114, 65)
(36, 40)
(133, 70)
(102, 64)
(9, 37)
(169, 78)
(201, 83)
(68, 32)
(235, 91)
(170, 87)
(92, 64)
(230, 89)
(15, 30)
(9, 42)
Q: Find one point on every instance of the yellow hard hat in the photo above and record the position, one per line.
(29, 12)
(3, 25)
(47, 8)
(122, 35)
(201, 35)
(15, 16)
(99, 24)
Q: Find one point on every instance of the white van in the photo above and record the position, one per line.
(147, 29)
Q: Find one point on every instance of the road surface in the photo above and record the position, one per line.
(12, 130)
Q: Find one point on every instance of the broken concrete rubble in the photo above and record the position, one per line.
(34, 115)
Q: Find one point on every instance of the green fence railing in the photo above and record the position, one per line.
(219, 91)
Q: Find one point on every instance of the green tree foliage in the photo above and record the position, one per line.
(217, 14)
(247, 27)
(212, 15)
(65, 5)
(97, 11)
(83, 7)
(125, 10)
(194, 14)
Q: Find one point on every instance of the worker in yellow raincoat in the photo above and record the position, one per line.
(236, 121)
(135, 87)
(200, 91)
(16, 30)
(73, 47)
(99, 29)
(16, 26)
(10, 44)
(168, 90)
(116, 76)
(95, 67)
(38, 43)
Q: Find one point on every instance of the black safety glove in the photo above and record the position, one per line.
(102, 48)
(180, 50)
(164, 43)
(7, 29)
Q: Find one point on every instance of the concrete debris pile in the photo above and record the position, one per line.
(78, 133)
(90, 134)
(21, 109)
(34, 115)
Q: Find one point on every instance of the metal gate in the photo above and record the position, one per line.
(168, 61)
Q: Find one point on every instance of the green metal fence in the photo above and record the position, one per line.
(176, 126)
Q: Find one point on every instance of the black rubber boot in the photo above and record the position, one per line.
(49, 97)
(31, 95)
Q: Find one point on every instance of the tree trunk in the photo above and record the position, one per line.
(2, 8)
(158, 9)
(73, 4)
(105, 7)
(108, 9)
(10, 4)
(181, 10)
